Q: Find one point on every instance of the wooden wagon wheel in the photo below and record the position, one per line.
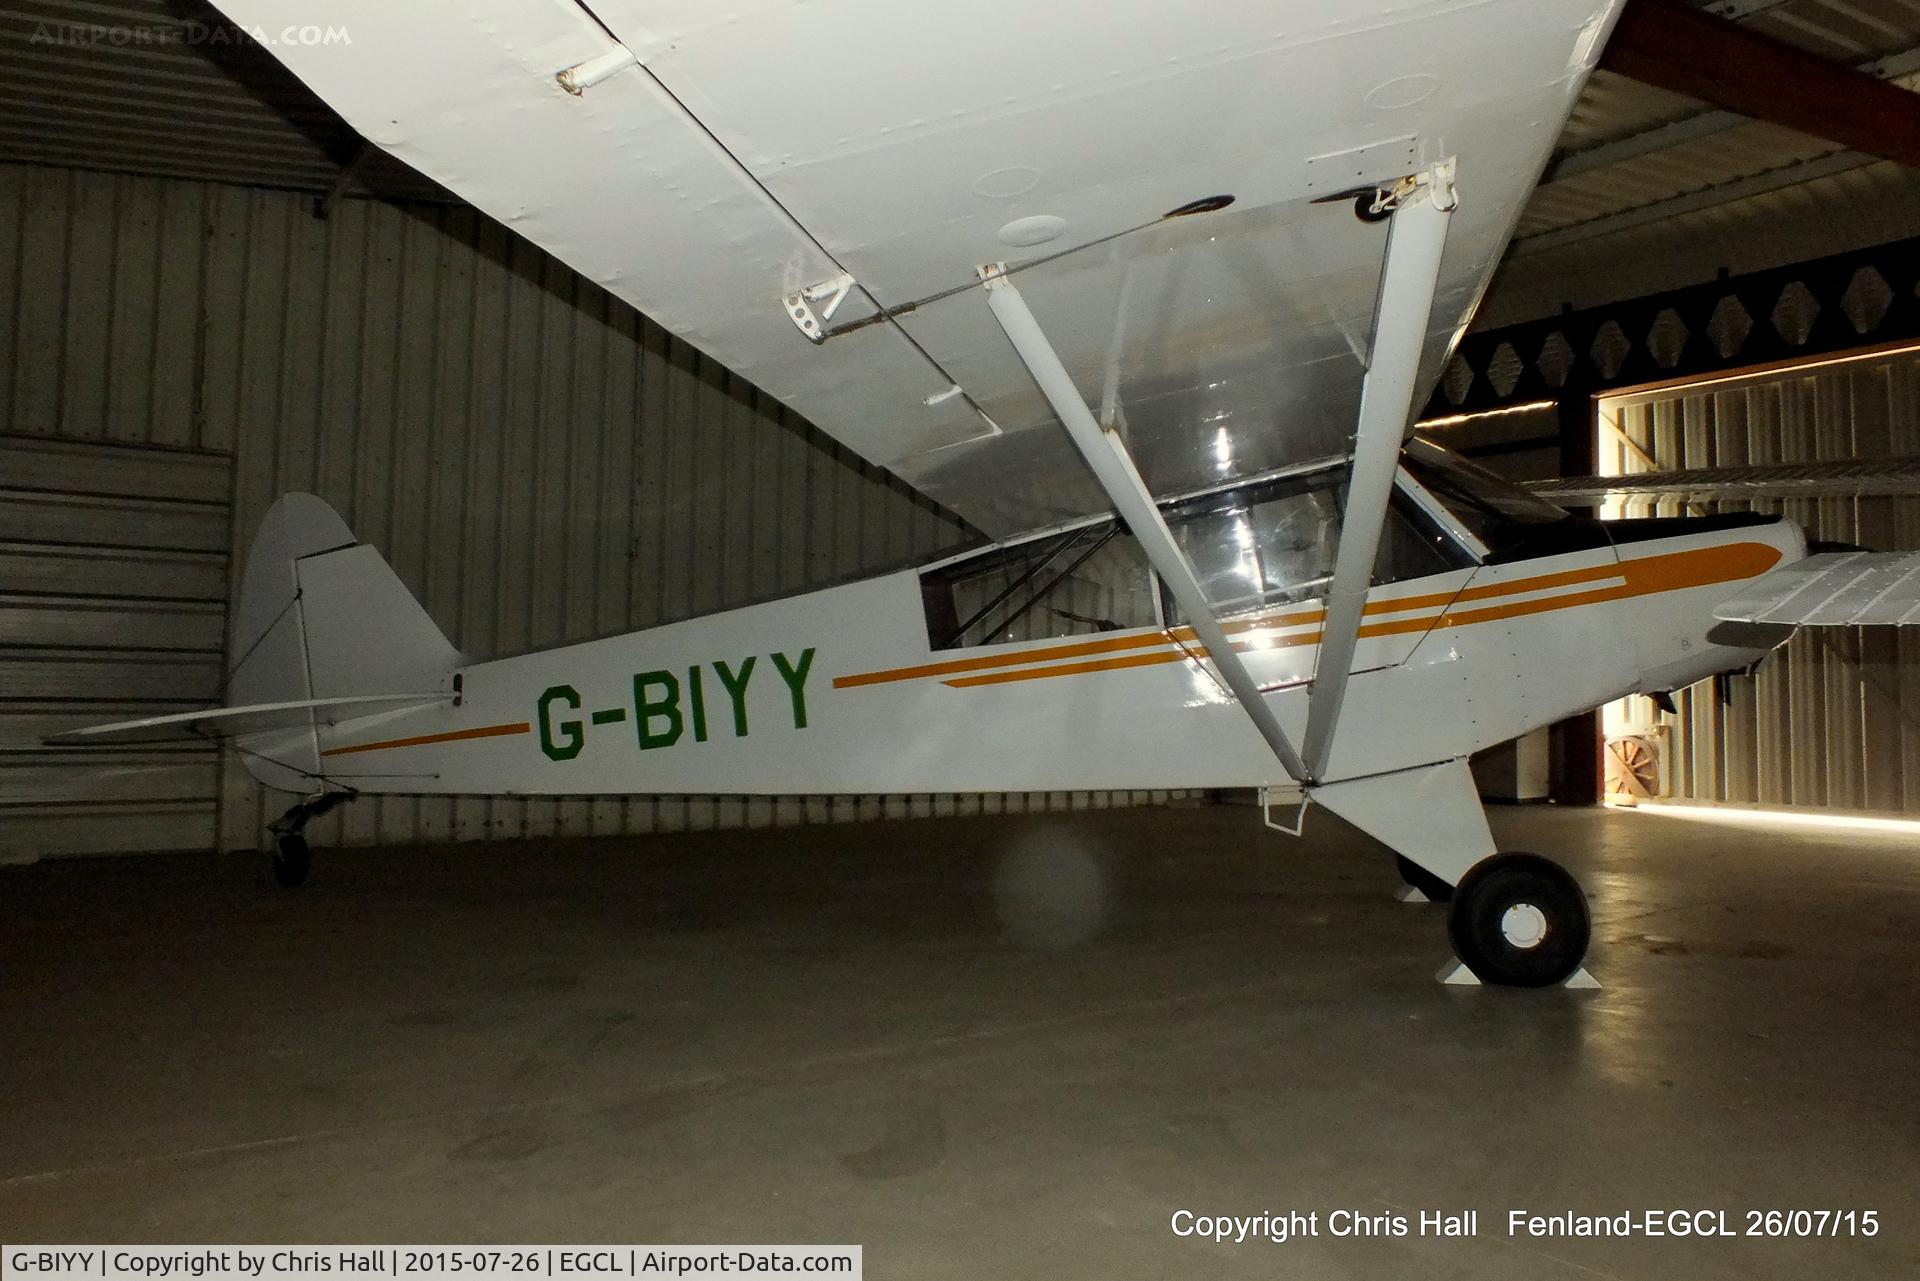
(1633, 768)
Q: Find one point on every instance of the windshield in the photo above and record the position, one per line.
(1498, 512)
(1274, 543)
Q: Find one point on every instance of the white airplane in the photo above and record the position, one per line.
(1150, 295)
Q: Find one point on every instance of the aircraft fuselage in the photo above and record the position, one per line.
(842, 690)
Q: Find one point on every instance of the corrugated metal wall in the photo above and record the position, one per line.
(1833, 720)
(537, 462)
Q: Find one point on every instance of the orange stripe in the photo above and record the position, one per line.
(1077, 650)
(1572, 600)
(1699, 568)
(454, 736)
(1645, 577)
(1107, 646)
(1142, 660)
(1565, 578)
(1071, 669)
(1396, 605)
(1313, 615)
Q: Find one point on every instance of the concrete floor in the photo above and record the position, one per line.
(996, 1047)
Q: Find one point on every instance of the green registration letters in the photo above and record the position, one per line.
(670, 704)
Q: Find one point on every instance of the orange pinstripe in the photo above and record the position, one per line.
(452, 736)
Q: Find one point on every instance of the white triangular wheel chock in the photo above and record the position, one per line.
(1456, 974)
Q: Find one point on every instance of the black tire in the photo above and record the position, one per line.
(292, 860)
(1479, 926)
(1421, 879)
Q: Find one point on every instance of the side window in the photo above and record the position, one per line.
(1089, 580)
(1412, 546)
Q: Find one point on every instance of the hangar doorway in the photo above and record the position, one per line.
(1831, 721)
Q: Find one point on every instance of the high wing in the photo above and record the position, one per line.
(1834, 589)
(709, 163)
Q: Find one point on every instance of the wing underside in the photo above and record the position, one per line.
(753, 150)
(1834, 589)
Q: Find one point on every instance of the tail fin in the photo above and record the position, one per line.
(321, 616)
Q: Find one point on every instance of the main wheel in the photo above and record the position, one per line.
(1520, 920)
(292, 860)
(1436, 890)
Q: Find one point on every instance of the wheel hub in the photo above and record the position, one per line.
(1524, 926)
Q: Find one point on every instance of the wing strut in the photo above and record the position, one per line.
(1407, 281)
(1107, 455)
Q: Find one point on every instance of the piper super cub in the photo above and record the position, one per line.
(1147, 293)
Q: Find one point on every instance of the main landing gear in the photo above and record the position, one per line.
(292, 857)
(1519, 920)
(1515, 919)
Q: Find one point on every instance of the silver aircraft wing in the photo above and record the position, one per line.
(1833, 589)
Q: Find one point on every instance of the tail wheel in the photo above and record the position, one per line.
(292, 860)
(1520, 920)
(1436, 890)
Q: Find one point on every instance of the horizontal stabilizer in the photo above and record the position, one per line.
(1833, 589)
(227, 722)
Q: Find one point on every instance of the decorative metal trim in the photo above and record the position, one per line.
(1810, 309)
